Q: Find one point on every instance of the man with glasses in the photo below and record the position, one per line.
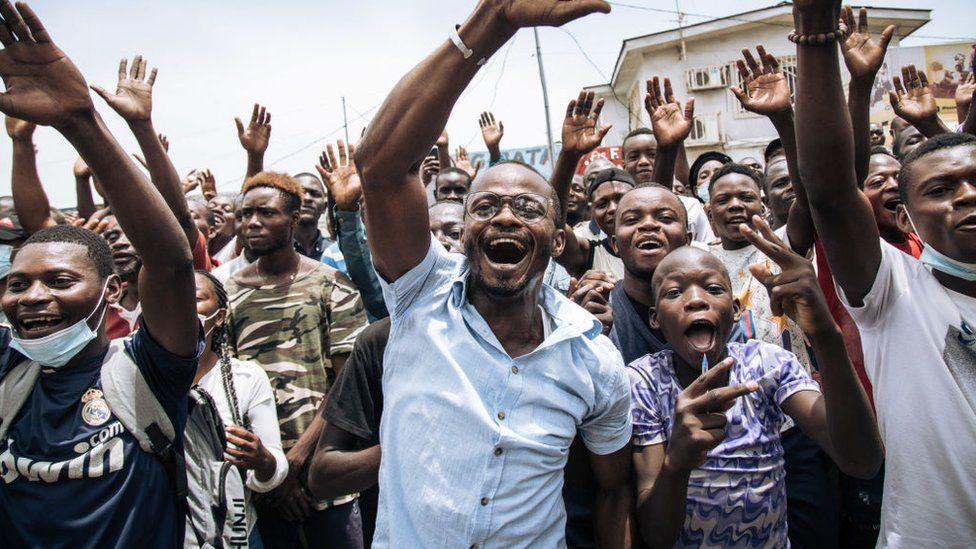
(488, 373)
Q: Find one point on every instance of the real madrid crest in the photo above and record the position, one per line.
(96, 411)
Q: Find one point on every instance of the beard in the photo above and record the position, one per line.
(499, 288)
(129, 269)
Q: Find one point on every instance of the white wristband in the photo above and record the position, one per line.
(465, 51)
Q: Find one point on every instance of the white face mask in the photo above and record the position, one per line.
(203, 322)
(57, 349)
(934, 259)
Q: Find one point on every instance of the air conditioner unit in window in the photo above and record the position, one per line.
(706, 78)
(705, 130)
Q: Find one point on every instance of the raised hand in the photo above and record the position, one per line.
(429, 169)
(43, 86)
(340, 177)
(191, 181)
(794, 290)
(133, 94)
(964, 97)
(767, 92)
(208, 183)
(862, 55)
(546, 13)
(257, 135)
(462, 162)
(20, 130)
(699, 417)
(912, 98)
(671, 125)
(491, 131)
(581, 134)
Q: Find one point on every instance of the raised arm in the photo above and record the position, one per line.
(581, 134)
(30, 200)
(255, 138)
(344, 187)
(671, 126)
(44, 87)
(825, 147)
(969, 124)
(767, 92)
(912, 100)
(492, 132)
(840, 419)
(413, 115)
(86, 200)
(132, 101)
(863, 58)
(964, 98)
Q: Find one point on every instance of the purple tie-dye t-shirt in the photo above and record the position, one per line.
(738, 497)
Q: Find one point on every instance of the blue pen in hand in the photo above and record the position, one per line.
(704, 364)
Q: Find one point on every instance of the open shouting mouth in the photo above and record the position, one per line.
(701, 335)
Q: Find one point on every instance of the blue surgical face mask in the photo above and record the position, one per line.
(5, 263)
(57, 349)
(935, 259)
(702, 191)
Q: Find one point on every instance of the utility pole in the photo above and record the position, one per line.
(545, 93)
(681, 33)
(345, 121)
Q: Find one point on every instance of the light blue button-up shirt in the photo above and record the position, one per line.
(474, 441)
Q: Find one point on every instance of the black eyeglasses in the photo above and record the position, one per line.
(528, 207)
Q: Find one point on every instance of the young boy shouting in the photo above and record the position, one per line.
(710, 464)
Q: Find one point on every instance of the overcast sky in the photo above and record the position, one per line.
(299, 57)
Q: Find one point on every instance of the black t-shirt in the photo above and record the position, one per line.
(356, 402)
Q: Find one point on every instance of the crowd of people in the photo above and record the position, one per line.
(764, 353)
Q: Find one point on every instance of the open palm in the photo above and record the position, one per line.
(547, 13)
(912, 98)
(257, 135)
(767, 92)
(133, 95)
(580, 131)
(43, 85)
(340, 177)
(862, 55)
(670, 123)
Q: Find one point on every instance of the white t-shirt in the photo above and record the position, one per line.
(255, 401)
(921, 358)
(605, 261)
(228, 252)
(229, 269)
(757, 320)
(701, 229)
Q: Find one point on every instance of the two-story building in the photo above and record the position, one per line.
(700, 60)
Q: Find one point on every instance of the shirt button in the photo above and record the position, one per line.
(515, 369)
(501, 415)
(484, 501)
(475, 546)
(498, 451)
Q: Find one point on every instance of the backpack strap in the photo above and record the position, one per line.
(15, 388)
(132, 401)
(135, 406)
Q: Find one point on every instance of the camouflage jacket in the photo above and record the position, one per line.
(291, 330)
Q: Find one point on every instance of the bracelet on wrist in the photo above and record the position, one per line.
(819, 39)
